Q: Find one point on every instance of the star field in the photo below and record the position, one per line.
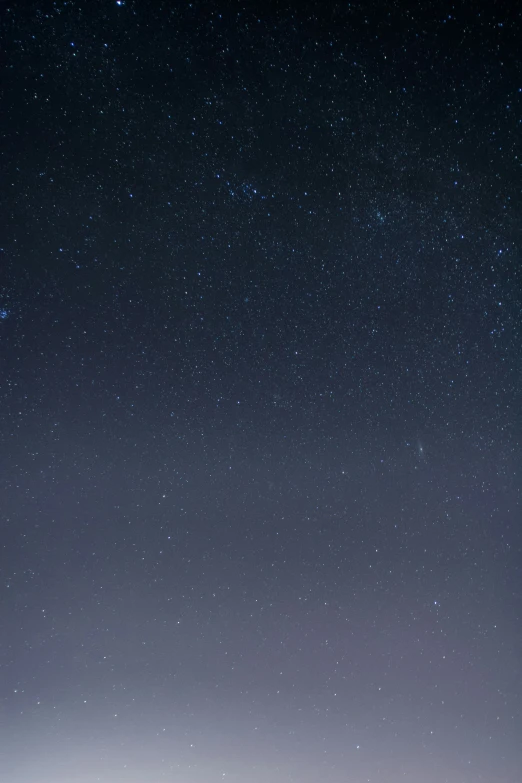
(260, 393)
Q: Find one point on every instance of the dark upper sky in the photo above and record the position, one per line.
(261, 361)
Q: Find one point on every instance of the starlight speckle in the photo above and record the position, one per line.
(260, 385)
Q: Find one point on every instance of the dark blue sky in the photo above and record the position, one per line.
(260, 330)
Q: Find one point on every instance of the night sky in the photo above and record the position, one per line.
(261, 392)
